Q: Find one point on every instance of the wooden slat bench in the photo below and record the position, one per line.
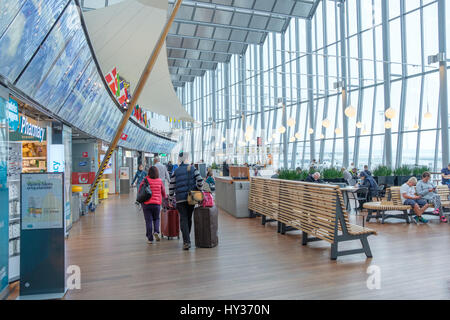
(315, 209)
(397, 205)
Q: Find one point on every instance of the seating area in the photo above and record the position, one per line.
(316, 209)
(394, 204)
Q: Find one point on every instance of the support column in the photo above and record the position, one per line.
(387, 78)
(326, 79)
(214, 134)
(345, 161)
(298, 85)
(202, 112)
(443, 94)
(360, 84)
(401, 124)
(309, 62)
(192, 123)
(227, 127)
(283, 93)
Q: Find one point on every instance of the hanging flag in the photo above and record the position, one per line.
(122, 95)
(118, 86)
(111, 79)
(124, 137)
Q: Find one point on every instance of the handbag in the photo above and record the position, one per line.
(194, 197)
(208, 200)
(145, 192)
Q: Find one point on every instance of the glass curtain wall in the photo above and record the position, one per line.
(292, 87)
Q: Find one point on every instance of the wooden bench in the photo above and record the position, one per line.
(315, 209)
(394, 195)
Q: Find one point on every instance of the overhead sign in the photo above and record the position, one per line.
(85, 155)
(13, 114)
(32, 130)
(56, 158)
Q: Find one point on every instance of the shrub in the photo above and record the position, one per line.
(418, 171)
(404, 170)
(286, 174)
(382, 171)
(332, 173)
(214, 166)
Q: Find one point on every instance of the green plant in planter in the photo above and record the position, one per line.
(418, 171)
(214, 166)
(404, 170)
(382, 171)
(332, 173)
(286, 174)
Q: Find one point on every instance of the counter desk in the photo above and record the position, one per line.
(232, 196)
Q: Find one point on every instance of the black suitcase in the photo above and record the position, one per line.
(206, 223)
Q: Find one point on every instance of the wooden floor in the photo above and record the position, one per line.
(251, 262)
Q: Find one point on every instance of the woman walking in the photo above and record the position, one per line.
(152, 207)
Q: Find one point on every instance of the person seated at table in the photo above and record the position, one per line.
(314, 178)
(369, 183)
(445, 173)
(366, 170)
(427, 190)
(210, 180)
(348, 177)
(276, 175)
(409, 198)
(355, 173)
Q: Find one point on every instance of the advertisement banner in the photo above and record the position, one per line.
(124, 173)
(42, 197)
(83, 177)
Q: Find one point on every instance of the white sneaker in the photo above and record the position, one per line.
(157, 237)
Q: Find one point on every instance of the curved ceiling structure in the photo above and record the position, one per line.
(47, 58)
(123, 36)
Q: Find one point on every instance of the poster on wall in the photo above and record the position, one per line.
(42, 196)
(124, 173)
(108, 169)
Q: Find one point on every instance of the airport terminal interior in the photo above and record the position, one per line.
(224, 149)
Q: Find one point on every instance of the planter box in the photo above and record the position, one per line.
(386, 180)
(400, 180)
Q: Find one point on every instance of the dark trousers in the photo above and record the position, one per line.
(151, 215)
(185, 211)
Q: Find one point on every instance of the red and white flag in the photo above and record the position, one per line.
(111, 79)
(124, 137)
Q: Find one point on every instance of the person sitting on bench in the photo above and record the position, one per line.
(315, 178)
(445, 173)
(409, 197)
(427, 190)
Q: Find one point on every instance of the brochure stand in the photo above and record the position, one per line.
(42, 263)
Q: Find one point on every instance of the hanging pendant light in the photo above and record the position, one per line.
(282, 129)
(298, 135)
(322, 136)
(350, 111)
(310, 130)
(292, 139)
(326, 123)
(359, 124)
(338, 131)
(390, 113)
(291, 122)
(365, 131)
(428, 114)
(388, 124)
(416, 125)
(250, 129)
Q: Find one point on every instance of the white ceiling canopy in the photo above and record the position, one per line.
(124, 36)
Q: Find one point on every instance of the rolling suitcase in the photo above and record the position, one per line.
(170, 223)
(206, 224)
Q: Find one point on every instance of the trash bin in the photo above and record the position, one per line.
(103, 189)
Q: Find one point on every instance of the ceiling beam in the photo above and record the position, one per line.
(211, 39)
(204, 51)
(225, 26)
(237, 9)
(194, 60)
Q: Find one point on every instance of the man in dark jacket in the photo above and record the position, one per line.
(184, 179)
(226, 169)
(314, 178)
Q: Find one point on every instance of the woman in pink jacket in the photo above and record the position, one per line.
(152, 207)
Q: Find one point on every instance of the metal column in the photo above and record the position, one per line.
(443, 94)
(326, 79)
(298, 105)
(360, 85)
(401, 124)
(309, 61)
(387, 78)
(283, 93)
(192, 123)
(345, 160)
